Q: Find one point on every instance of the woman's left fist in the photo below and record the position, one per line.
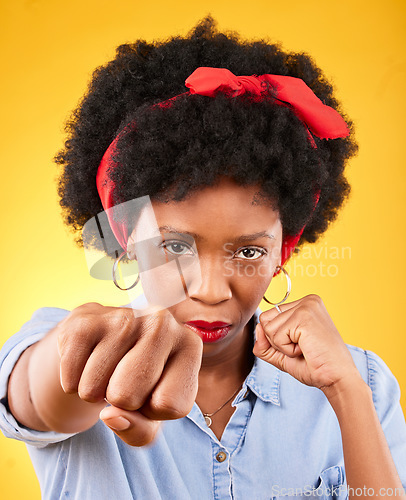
(303, 341)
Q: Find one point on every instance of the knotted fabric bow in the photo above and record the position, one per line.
(321, 120)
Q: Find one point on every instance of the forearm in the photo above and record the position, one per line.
(36, 397)
(367, 458)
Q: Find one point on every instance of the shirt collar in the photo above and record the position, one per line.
(264, 378)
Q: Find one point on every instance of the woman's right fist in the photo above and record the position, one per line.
(146, 367)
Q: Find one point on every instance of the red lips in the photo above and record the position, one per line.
(210, 332)
(208, 326)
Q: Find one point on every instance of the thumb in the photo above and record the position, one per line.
(132, 427)
(262, 344)
(264, 350)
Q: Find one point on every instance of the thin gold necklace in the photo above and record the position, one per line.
(208, 415)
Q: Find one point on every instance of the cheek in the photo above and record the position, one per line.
(163, 285)
(251, 280)
(166, 281)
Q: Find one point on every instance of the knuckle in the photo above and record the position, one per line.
(314, 299)
(269, 329)
(272, 340)
(121, 317)
(266, 316)
(278, 334)
(86, 307)
(84, 320)
(123, 323)
(305, 315)
(81, 325)
(122, 399)
(168, 408)
(117, 399)
(91, 394)
(311, 303)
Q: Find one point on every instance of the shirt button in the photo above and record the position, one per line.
(221, 456)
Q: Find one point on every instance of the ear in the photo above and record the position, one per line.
(279, 259)
(131, 248)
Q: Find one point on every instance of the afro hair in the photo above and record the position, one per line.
(173, 151)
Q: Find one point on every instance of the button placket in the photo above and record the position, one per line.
(221, 456)
(221, 473)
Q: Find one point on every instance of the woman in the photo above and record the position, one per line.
(209, 190)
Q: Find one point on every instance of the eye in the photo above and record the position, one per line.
(177, 247)
(251, 253)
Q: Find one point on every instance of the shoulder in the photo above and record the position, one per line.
(370, 365)
(376, 373)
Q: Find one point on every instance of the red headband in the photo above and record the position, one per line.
(323, 121)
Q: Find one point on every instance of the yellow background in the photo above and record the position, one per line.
(49, 50)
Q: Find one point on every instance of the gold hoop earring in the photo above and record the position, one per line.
(116, 262)
(277, 304)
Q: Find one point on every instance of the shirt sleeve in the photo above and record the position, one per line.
(41, 322)
(386, 397)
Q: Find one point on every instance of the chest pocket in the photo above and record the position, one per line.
(330, 486)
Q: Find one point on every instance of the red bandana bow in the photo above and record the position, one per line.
(323, 121)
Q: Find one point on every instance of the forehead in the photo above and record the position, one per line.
(226, 195)
(221, 211)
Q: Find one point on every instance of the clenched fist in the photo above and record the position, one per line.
(145, 367)
(303, 341)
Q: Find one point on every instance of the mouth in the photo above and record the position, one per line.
(209, 332)
(208, 326)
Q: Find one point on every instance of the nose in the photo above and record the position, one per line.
(215, 284)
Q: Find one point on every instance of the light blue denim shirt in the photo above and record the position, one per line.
(283, 440)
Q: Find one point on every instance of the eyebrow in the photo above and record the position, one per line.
(240, 239)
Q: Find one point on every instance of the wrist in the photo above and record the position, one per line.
(347, 392)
